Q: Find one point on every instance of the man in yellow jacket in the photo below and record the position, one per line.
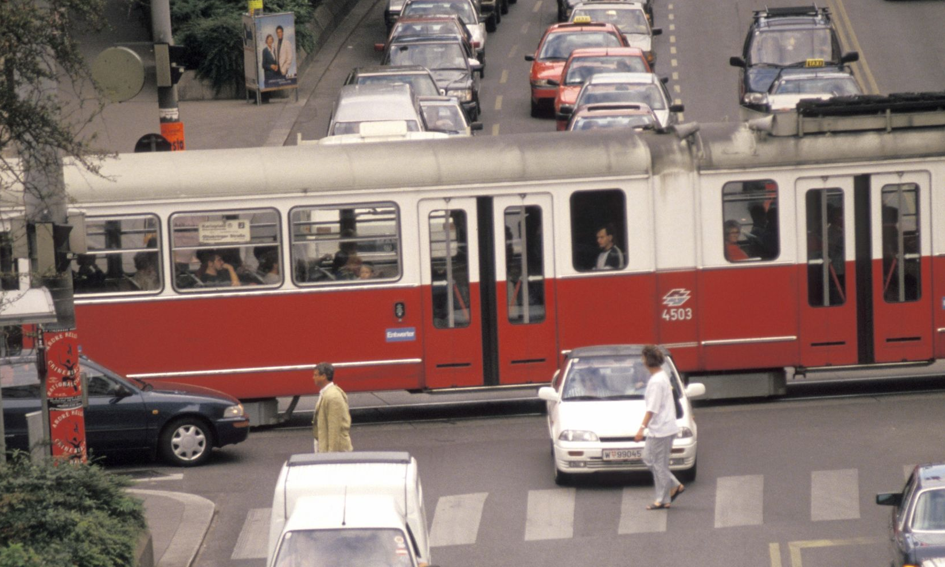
(332, 421)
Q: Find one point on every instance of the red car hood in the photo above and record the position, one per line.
(566, 95)
(547, 69)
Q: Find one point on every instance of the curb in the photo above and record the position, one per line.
(190, 533)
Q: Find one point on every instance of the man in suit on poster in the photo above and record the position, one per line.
(332, 421)
(285, 53)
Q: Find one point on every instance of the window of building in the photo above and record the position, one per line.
(598, 230)
(525, 264)
(449, 269)
(225, 250)
(123, 256)
(826, 248)
(902, 270)
(346, 244)
(750, 221)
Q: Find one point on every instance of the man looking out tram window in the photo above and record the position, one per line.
(609, 257)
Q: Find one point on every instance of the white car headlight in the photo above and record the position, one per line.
(464, 95)
(577, 435)
(540, 83)
(684, 433)
(233, 411)
(756, 98)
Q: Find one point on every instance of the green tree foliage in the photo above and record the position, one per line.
(55, 515)
(212, 30)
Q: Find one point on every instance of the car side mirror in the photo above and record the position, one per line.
(889, 498)
(553, 82)
(548, 394)
(476, 126)
(664, 80)
(850, 57)
(379, 47)
(120, 393)
(565, 112)
(677, 108)
(529, 58)
(474, 64)
(657, 31)
(695, 390)
(736, 62)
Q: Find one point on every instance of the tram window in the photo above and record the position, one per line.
(226, 249)
(901, 254)
(524, 264)
(449, 269)
(750, 220)
(345, 244)
(826, 248)
(124, 256)
(598, 230)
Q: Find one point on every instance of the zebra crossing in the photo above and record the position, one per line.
(550, 513)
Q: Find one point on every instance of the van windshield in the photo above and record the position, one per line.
(344, 548)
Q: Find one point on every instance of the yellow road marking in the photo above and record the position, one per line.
(672, 27)
(537, 6)
(513, 50)
(849, 41)
(676, 88)
(672, 39)
(495, 129)
(775, 550)
(675, 76)
(498, 102)
(673, 62)
(670, 6)
(795, 547)
(525, 28)
(672, 17)
(672, 49)
(504, 77)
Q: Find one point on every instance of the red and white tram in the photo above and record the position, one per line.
(749, 251)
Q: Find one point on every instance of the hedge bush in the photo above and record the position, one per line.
(59, 515)
(211, 31)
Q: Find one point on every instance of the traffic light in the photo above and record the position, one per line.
(169, 64)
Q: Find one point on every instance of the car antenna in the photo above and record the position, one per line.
(344, 507)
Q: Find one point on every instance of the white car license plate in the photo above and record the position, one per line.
(623, 454)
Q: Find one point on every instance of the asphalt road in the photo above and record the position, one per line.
(899, 45)
(780, 484)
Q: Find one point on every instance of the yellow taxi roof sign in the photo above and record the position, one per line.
(814, 63)
(582, 19)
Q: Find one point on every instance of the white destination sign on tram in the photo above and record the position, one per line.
(224, 232)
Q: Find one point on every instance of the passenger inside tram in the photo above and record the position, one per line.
(733, 234)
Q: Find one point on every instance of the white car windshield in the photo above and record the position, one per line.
(930, 511)
(607, 378)
(464, 10)
(355, 127)
(443, 118)
(627, 21)
(835, 86)
(649, 95)
(582, 68)
(344, 548)
(560, 45)
(430, 55)
(422, 85)
(791, 47)
(638, 121)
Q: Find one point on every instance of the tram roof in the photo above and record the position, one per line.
(455, 162)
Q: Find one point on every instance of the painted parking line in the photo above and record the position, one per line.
(834, 495)
(738, 500)
(795, 547)
(456, 520)
(550, 514)
(635, 518)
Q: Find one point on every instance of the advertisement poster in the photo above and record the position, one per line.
(277, 67)
(250, 64)
(64, 395)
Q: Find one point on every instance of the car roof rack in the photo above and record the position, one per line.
(791, 11)
(856, 114)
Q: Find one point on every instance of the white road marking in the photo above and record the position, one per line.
(537, 6)
(253, 541)
(672, 49)
(550, 514)
(834, 495)
(498, 102)
(676, 88)
(675, 76)
(456, 520)
(672, 27)
(670, 7)
(513, 50)
(672, 39)
(672, 17)
(635, 518)
(504, 77)
(738, 500)
(495, 129)
(525, 27)
(673, 62)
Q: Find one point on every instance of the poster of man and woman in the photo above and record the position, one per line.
(270, 38)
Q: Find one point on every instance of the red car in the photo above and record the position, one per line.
(553, 51)
(585, 62)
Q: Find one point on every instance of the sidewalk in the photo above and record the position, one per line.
(178, 523)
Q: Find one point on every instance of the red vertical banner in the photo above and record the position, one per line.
(64, 395)
(174, 133)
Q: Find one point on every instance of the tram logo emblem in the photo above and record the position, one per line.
(676, 297)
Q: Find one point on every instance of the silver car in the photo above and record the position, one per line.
(644, 88)
(445, 114)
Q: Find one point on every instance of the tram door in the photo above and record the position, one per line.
(828, 291)
(525, 317)
(902, 302)
(452, 318)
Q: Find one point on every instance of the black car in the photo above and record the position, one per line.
(453, 70)
(179, 422)
(801, 37)
(917, 529)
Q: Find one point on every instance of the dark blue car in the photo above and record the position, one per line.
(917, 530)
(179, 422)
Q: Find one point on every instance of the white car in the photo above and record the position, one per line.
(595, 407)
(632, 88)
(629, 17)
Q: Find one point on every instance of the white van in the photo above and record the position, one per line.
(358, 508)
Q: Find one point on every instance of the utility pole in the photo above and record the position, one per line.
(169, 111)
